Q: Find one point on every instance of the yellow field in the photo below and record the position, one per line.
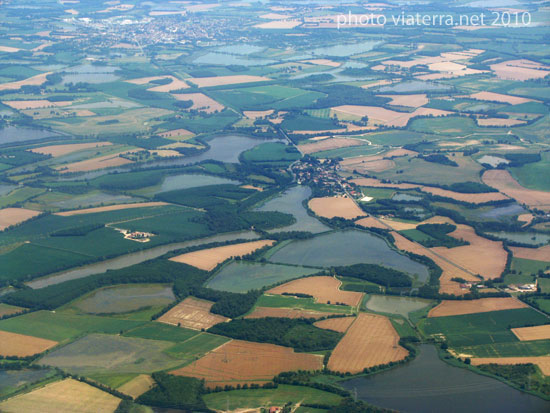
(176, 134)
(543, 362)
(209, 258)
(201, 102)
(520, 70)
(33, 104)
(12, 344)
(137, 386)
(482, 305)
(110, 208)
(14, 216)
(330, 207)
(370, 341)
(192, 313)
(413, 101)
(60, 150)
(537, 254)
(101, 162)
(498, 97)
(532, 333)
(340, 324)
(328, 144)
(499, 122)
(262, 312)
(370, 222)
(31, 81)
(66, 396)
(324, 289)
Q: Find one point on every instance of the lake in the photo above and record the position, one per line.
(494, 161)
(342, 50)
(185, 181)
(413, 86)
(428, 384)
(392, 304)
(11, 134)
(405, 197)
(346, 248)
(530, 238)
(504, 211)
(214, 58)
(133, 258)
(290, 202)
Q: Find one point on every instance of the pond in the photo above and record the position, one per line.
(504, 211)
(428, 384)
(240, 49)
(342, 50)
(494, 161)
(392, 304)
(290, 202)
(94, 199)
(133, 258)
(405, 197)
(413, 86)
(11, 134)
(242, 276)
(185, 181)
(93, 78)
(531, 238)
(213, 58)
(346, 248)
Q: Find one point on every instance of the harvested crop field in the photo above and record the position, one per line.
(340, 324)
(470, 198)
(482, 305)
(192, 313)
(498, 97)
(6, 309)
(329, 144)
(226, 80)
(12, 344)
(208, 259)
(542, 362)
(370, 222)
(60, 150)
(331, 207)
(201, 102)
(413, 101)
(520, 70)
(483, 256)
(375, 183)
(370, 341)
(257, 114)
(66, 396)
(33, 104)
(101, 162)
(385, 117)
(176, 84)
(14, 216)
(110, 208)
(31, 81)
(536, 254)
(505, 183)
(176, 134)
(324, 289)
(446, 285)
(244, 362)
(499, 122)
(137, 386)
(262, 312)
(532, 333)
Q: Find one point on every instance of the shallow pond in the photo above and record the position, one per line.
(405, 197)
(395, 305)
(242, 276)
(94, 199)
(213, 58)
(240, 49)
(428, 384)
(413, 86)
(290, 202)
(530, 238)
(346, 248)
(504, 211)
(342, 50)
(185, 181)
(11, 134)
(494, 161)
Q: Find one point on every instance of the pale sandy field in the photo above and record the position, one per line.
(66, 396)
(256, 114)
(208, 259)
(33, 104)
(329, 144)
(201, 102)
(330, 207)
(12, 344)
(226, 80)
(110, 208)
(36, 80)
(498, 97)
(101, 162)
(370, 341)
(192, 313)
(60, 150)
(537, 254)
(14, 216)
(137, 386)
(532, 333)
(499, 122)
(382, 116)
(245, 362)
(279, 24)
(324, 289)
(520, 70)
(482, 305)
(413, 101)
(176, 134)
(370, 222)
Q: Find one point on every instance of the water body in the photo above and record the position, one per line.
(94, 199)
(428, 384)
(185, 181)
(290, 202)
(342, 50)
(11, 134)
(93, 78)
(240, 49)
(6, 189)
(213, 58)
(405, 197)
(133, 258)
(395, 305)
(494, 161)
(413, 86)
(346, 248)
(505, 211)
(530, 238)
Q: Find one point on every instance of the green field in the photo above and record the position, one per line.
(281, 301)
(534, 175)
(197, 346)
(528, 267)
(269, 397)
(271, 152)
(511, 349)
(159, 331)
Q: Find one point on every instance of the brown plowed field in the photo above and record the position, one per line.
(482, 305)
(60, 150)
(12, 344)
(209, 258)
(370, 341)
(262, 312)
(194, 314)
(532, 333)
(483, 256)
(340, 324)
(66, 396)
(13, 216)
(543, 362)
(244, 362)
(324, 289)
(330, 207)
(110, 208)
(536, 254)
(329, 144)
